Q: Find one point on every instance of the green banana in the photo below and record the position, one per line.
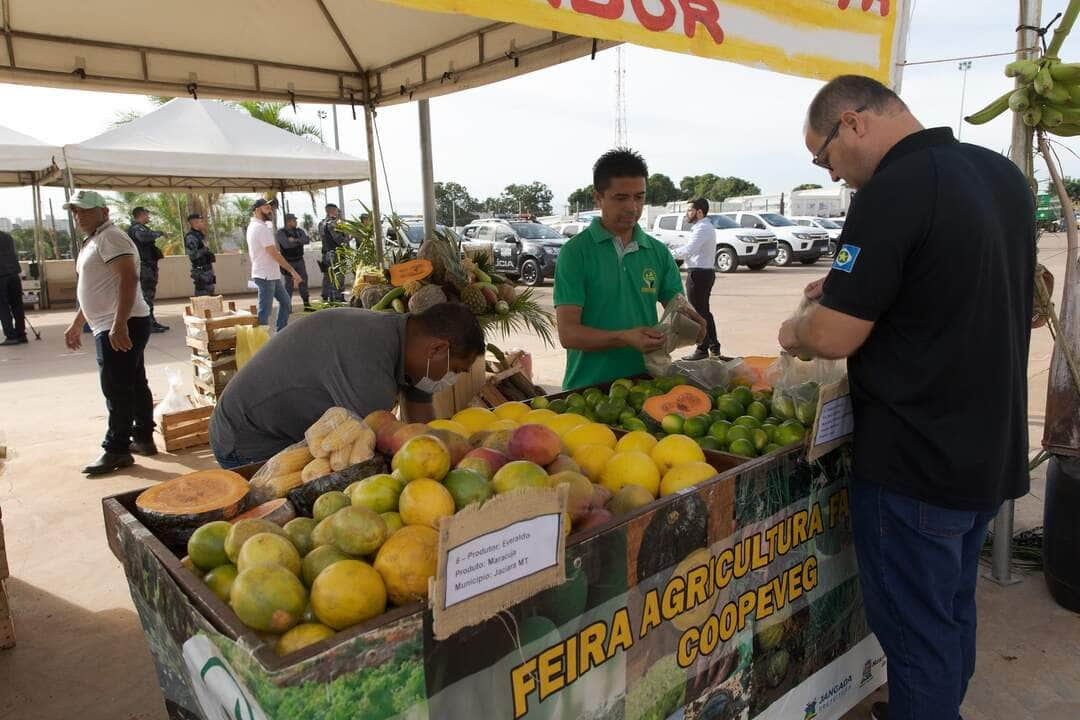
(1074, 94)
(398, 304)
(1026, 69)
(389, 298)
(1032, 116)
(1065, 130)
(481, 276)
(1019, 101)
(1043, 82)
(1058, 94)
(1051, 117)
(991, 111)
(498, 279)
(1065, 72)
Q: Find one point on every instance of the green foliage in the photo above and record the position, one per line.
(53, 245)
(582, 199)
(1072, 186)
(534, 198)
(806, 186)
(454, 203)
(660, 190)
(714, 187)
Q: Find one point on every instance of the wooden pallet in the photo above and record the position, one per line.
(211, 316)
(186, 428)
(7, 624)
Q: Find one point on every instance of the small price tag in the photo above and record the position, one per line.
(835, 419)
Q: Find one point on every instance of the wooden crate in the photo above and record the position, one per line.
(211, 324)
(7, 624)
(186, 428)
(508, 385)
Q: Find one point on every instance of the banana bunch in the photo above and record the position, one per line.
(1048, 98)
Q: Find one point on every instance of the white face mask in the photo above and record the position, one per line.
(430, 386)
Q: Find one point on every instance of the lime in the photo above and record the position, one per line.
(709, 443)
(719, 430)
(636, 398)
(739, 432)
(672, 424)
(608, 411)
(678, 380)
(730, 407)
(665, 384)
(557, 406)
(758, 410)
(539, 403)
(763, 396)
(805, 411)
(743, 395)
(760, 439)
(589, 414)
(773, 420)
(627, 414)
(748, 421)
(743, 448)
(783, 407)
(770, 431)
(771, 447)
(696, 426)
(625, 382)
(618, 391)
(788, 434)
(634, 423)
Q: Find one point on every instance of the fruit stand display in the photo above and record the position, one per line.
(710, 581)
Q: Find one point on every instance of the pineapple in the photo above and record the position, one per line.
(474, 298)
(445, 257)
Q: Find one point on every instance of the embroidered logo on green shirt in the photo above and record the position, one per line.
(648, 276)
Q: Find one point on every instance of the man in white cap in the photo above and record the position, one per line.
(111, 302)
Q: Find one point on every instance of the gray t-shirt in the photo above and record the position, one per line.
(343, 357)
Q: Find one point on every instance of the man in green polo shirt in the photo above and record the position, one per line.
(609, 279)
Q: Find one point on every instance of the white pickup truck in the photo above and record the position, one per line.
(734, 245)
(796, 242)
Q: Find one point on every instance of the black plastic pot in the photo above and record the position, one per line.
(1061, 521)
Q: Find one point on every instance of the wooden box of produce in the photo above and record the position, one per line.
(186, 428)
(215, 331)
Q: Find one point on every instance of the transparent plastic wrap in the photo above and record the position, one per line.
(281, 473)
(339, 438)
(709, 373)
(175, 399)
(200, 332)
(795, 385)
(679, 331)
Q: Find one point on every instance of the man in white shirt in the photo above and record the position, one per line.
(111, 302)
(267, 264)
(700, 257)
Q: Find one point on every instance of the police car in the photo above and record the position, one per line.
(521, 249)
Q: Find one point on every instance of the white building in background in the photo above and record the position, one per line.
(823, 202)
(5, 224)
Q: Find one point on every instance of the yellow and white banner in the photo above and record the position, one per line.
(811, 38)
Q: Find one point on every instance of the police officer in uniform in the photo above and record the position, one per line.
(145, 240)
(292, 239)
(202, 260)
(332, 239)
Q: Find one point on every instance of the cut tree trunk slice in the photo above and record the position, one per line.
(279, 512)
(174, 509)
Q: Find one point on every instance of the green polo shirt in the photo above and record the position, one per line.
(614, 293)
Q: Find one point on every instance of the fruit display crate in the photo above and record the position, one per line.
(186, 428)
(392, 666)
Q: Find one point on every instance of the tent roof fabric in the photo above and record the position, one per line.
(204, 145)
(321, 51)
(23, 159)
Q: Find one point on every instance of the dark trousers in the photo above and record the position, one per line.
(331, 290)
(148, 280)
(12, 316)
(123, 382)
(918, 564)
(699, 284)
(301, 269)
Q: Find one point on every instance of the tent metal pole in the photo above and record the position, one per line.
(43, 296)
(376, 216)
(427, 171)
(337, 146)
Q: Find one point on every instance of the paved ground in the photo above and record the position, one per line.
(81, 650)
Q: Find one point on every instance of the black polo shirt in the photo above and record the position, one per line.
(938, 250)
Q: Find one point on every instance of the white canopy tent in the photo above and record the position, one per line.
(204, 146)
(25, 161)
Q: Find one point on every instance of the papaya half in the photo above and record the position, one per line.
(684, 400)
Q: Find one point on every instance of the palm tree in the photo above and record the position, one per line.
(270, 112)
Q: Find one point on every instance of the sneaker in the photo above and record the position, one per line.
(698, 355)
(879, 711)
(12, 341)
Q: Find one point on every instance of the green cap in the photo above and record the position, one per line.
(86, 199)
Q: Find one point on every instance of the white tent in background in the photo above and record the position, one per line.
(23, 159)
(204, 146)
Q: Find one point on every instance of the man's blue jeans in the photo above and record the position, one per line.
(918, 564)
(270, 290)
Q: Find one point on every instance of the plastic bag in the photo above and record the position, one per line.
(679, 331)
(248, 341)
(281, 473)
(175, 400)
(341, 439)
(707, 374)
(795, 385)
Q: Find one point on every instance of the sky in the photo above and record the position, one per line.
(686, 115)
